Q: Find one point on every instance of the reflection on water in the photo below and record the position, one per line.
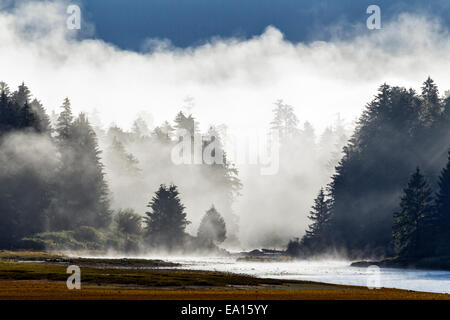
(338, 272)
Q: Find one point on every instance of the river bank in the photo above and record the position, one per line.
(427, 263)
(42, 275)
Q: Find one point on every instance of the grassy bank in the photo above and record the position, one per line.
(43, 276)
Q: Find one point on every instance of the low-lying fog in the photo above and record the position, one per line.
(336, 271)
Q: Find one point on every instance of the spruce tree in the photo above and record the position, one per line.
(28, 118)
(64, 123)
(6, 113)
(285, 121)
(128, 222)
(82, 191)
(166, 221)
(412, 229)
(443, 211)
(4, 88)
(93, 196)
(22, 95)
(43, 121)
(187, 123)
(319, 215)
(163, 133)
(121, 161)
(212, 227)
(431, 102)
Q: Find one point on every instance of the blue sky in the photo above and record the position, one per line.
(225, 78)
(191, 22)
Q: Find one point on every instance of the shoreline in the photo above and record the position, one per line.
(57, 290)
(422, 264)
(43, 277)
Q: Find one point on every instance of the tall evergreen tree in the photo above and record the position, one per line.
(166, 221)
(128, 222)
(391, 138)
(431, 102)
(319, 215)
(140, 128)
(64, 123)
(22, 95)
(443, 211)
(285, 121)
(94, 195)
(4, 88)
(412, 230)
(43, 124)
(164, 132)
(187, 123)
(82, 191)
(212, 227)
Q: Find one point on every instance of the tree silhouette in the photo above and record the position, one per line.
(443, 211)
(412, 223)
(166, 221)
(285, 121)
(212, 227)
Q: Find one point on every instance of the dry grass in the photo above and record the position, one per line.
(46, 280)
(51, 290)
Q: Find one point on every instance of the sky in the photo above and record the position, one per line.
(232, 59)
(192, 22)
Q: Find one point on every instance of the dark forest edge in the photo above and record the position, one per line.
(401, 140)
(54, 194)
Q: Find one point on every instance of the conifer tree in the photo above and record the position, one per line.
(82, 191)
(94, 194)
(412, 234)
(187, 123)
(43, 124)
(443, 211)
(212, 227)
(64, 123)
(121, 161)
(22, 95)
(319, 215)
(28, 118)
(285, 121)
(431, 102)
(164, 132)
(166, 220)
(4, 88)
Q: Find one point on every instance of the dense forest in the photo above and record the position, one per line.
(69, 183)
(390, 194)
(56, 183)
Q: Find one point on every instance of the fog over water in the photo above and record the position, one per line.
(320, 270)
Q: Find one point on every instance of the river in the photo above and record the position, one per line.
(337, 272)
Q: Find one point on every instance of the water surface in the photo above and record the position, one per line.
(337, 272)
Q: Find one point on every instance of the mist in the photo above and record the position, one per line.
(233, 83)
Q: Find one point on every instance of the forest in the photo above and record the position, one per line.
(389, 196)
(66, 182)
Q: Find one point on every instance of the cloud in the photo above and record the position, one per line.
(232, 80)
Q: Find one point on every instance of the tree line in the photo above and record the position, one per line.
(401, 139)
(55, 192)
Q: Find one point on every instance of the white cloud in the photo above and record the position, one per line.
(233, 81)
